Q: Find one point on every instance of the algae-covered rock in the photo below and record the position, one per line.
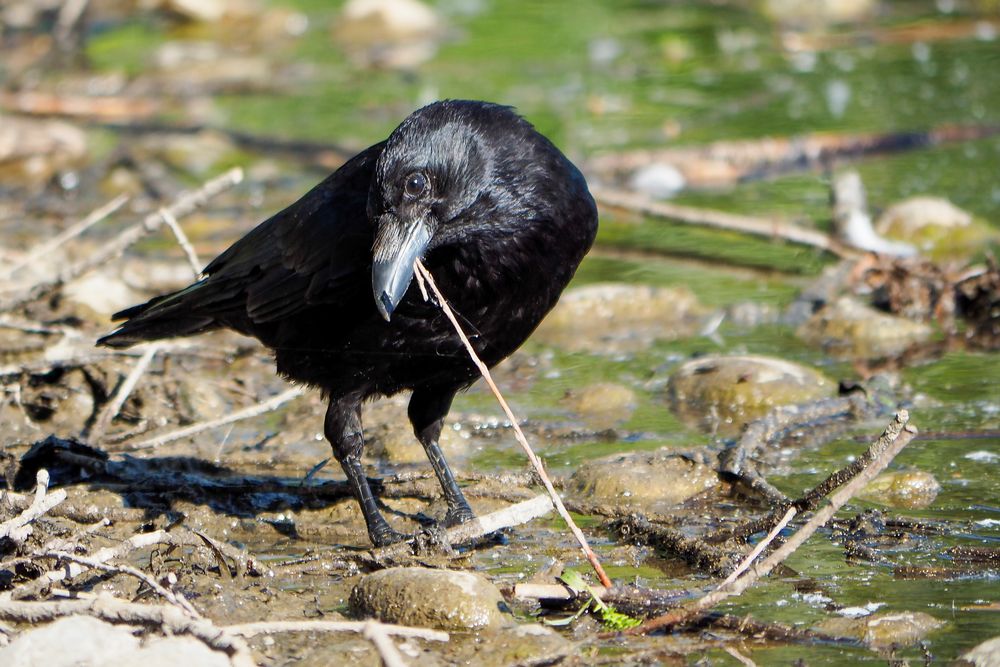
(601, 405)
(938, 228)
(611, 318)
(724, 393)
(849, 328)
(645, 480)
(909, 489)
(444, 599)
(884, 629)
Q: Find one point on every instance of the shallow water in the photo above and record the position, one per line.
(606, 76)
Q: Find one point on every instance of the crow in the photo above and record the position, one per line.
(499, 216)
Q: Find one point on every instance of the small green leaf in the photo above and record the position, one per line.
(575, 581)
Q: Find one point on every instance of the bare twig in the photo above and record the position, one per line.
(87, 514)
(254, 410)
(62, 543)
(387, 650)
(739, 657)
(425, 275)
(632, 600)
(166, 618)
(759, 549)
(736, 461)
(896, 436)
(721, 220)
(379, 634)
(270, 627)
(27, 326)
(112, 409)
(17, 529)
(512, 515)
(67, 234)
(70, 14)
(182, 241)
(183, 205)
(170, 596)
(74, 569)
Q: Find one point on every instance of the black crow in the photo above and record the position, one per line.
(497, 214)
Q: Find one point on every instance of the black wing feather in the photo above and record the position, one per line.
(310, 253)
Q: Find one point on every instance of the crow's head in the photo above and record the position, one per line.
(452, 172)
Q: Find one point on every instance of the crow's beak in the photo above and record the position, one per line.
(398, 245)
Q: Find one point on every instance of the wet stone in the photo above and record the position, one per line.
(601, 405)
(849, 328)
(443, 599)
(883, 630)
(721, 394)
(612, 318)
(905, 489)
(986, 654)
(937, 227)
(82, 641)
(395, 442)
(645, 480)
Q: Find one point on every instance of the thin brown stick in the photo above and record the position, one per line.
(182, 241)
(184, 204)
(18, 528)
(168, 619)
(270, 627)
(721, 220)
(112, 409)
(67, 234)
(895, 437)
(170, 596)
(425, 275)
(73, 569)
(252, 411)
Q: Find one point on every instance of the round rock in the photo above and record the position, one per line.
(611, 318)
(937, 227)
(849, 328)
(882, 630)
(986, 654)
(443, 599)
(601, 405)
(645, 480)
(82, 641)
(907, 489)
(721, 394)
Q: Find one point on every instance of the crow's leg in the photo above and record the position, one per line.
(342, 428)
(428, 408)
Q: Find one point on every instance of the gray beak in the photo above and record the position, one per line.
(397, 246)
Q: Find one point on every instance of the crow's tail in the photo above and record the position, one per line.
(165, 316)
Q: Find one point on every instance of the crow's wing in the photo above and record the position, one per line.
(318, 250)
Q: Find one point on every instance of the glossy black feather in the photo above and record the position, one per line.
(511, 220)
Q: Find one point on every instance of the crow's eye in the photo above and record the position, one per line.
(415, 185)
